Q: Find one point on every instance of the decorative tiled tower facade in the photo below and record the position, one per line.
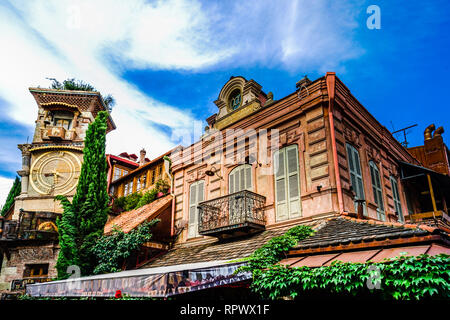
(51, 163)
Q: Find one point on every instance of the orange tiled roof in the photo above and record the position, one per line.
(129, 220)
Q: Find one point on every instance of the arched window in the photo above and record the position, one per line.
(196, 195)
(356, 180)
(235, 99)
(377, 190)
(396, 197)
(287, 183)
(240, 178)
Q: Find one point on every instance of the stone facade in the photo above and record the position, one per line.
(22, 256)
(51, 164)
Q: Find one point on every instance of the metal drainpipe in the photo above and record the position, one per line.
(172, 220)
(331, 84)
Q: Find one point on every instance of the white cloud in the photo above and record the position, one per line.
(68, 52)
(97, 40)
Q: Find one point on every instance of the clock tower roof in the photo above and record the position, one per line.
(74, 100)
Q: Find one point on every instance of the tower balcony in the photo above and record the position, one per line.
(232, 215)
(30, 226)
(57, 133)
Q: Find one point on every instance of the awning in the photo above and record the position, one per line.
(157, 282)
(363, 256)
(411, 171)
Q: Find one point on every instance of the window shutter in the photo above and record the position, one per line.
(248, 177)
(293, 186)
(377, 191)
(287, 191)
(242, 178)
(280, 185)
(196, 195)
(396, 197)
(356, 180)
(231, 185)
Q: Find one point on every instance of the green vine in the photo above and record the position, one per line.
(404, 278)
(401, 278)
(111, 250)
(138, 199)
(275, 249)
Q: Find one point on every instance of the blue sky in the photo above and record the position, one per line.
(166, 61)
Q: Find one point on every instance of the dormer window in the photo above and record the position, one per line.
(235, 99)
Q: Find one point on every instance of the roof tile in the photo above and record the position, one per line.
(219, 250)
(129, 220)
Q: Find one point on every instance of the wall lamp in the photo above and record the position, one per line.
(212, 172)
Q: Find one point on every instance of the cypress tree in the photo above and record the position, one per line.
(13, 192)
(84, 218)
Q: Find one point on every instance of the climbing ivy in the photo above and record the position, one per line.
(404, 277)
(274, 250)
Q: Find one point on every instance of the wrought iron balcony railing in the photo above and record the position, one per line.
(238, 212)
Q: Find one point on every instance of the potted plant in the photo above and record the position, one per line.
(162, 186)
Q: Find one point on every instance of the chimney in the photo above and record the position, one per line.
(142, 158)
(428, 133)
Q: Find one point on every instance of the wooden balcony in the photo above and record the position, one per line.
(30, 226)
(235, 214)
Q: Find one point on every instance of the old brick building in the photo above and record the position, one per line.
(51, 165)
(315, 157)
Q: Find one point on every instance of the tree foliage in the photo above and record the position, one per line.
(84, 218)
(111, 250)
(74, 84)
(13, 192)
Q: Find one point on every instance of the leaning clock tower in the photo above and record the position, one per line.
(51, 163)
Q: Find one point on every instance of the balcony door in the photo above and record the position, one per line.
(287, 183)
(196, 195)
(240, 178)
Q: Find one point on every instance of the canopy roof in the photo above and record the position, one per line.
(152, 282)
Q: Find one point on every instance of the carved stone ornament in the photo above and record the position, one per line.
(292, 136)
(191, 176)
(352, 136)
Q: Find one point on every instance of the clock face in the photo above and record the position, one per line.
(55, 172)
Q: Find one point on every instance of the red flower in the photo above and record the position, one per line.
(118, 294)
